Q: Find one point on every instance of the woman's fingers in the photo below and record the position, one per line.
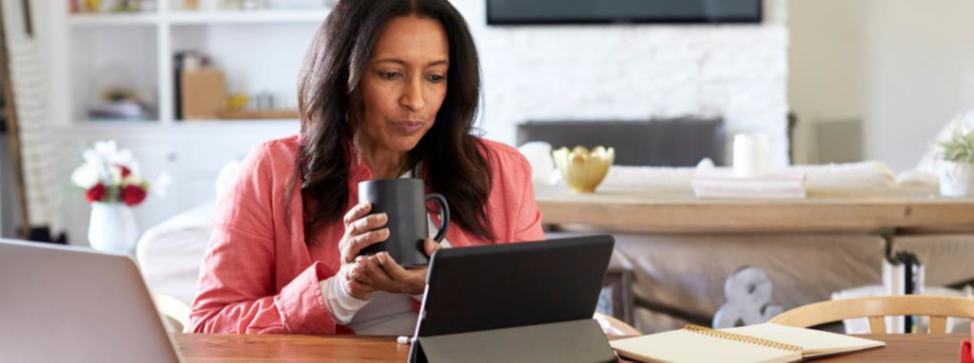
(357, 212)
(381, 272)
(393, 268)
(361, 230)
(358, 272)
(359, 290)
(357, 243)
(354, 286)
(367, 223)
(412, 281)
(375, 272)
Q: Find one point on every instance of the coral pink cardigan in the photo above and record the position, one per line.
(259, 275)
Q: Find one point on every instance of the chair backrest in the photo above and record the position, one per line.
(175, 311)
(613, 326)
(938, 308)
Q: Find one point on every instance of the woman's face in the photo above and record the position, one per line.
(405, 83)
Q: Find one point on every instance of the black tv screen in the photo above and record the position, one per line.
(527, 12)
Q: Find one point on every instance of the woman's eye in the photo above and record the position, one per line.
(389, 75)
(436, 78)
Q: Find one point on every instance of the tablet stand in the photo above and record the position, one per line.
(570, 341)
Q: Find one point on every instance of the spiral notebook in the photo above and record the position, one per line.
(755, 343)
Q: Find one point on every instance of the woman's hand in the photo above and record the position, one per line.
(380, 272)
(361, 230)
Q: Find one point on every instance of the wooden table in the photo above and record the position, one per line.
(197, 348)
(678, 211)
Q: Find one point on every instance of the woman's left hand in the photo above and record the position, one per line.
(382, 273)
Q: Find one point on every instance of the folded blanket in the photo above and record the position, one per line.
(864, 174)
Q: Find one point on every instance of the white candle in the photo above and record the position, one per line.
(750, 155)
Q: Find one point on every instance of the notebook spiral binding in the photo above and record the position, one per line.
(741, 338)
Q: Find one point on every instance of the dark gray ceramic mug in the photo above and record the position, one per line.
(404, 201)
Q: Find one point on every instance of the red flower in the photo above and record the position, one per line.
(96, 193)
(133, 195)
(125, 171)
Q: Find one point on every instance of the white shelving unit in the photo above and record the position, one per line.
(79, 20)
(258, 51)
(313, 16)
(249, 17)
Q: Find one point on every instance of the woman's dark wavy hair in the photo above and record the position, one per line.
(336, 61)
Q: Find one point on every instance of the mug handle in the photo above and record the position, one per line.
(444, 214)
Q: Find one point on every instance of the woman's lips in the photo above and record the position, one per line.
(408, 127)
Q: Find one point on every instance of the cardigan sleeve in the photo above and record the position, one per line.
(237, 292)
(527, 222)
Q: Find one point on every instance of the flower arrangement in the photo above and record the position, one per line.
(110, 175)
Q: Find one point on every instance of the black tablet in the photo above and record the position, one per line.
(513, 285)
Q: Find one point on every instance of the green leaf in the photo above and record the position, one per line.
(959, 148)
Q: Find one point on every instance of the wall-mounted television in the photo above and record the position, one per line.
(541, 12)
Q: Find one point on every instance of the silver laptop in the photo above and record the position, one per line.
(64, 304)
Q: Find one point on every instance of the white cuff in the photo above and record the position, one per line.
(342, 305)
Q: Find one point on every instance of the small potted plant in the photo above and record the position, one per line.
(957, 164)
(112, 184)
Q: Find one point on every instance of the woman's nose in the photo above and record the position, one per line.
(412, 98)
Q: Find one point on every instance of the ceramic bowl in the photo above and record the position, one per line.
(583, 169)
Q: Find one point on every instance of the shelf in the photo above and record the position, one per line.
(313, 16)
(178, 126)
(113, 19)
(227, 122)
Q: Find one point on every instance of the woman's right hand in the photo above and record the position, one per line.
(361, 230)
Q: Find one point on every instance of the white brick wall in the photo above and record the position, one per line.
(636, 72)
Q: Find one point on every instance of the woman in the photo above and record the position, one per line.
(390, 88)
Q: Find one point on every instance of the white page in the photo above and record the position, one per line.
(685, 346)
(814, 342)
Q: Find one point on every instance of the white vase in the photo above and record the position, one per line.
(955, 179)
(112, 228)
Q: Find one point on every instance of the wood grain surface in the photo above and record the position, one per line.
(678, 211)
(199, 348)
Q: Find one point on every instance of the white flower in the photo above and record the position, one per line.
(107, 150)
(125, 158)
(104, 163)
(133, 179)
(116, 174)
(85, 176)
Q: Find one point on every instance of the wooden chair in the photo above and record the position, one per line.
(938, 308)
(613, 326)
(175, 311)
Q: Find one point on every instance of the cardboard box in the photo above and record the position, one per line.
(204, 94)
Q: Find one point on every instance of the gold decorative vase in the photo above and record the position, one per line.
(582, 169)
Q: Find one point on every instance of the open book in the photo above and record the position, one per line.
(755, 343)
